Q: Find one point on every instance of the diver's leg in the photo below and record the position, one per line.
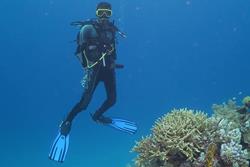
(110, 87)
(90, 85)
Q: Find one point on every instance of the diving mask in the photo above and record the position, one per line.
(102, 12)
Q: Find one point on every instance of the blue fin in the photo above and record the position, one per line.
(124, 125)
(59, 148)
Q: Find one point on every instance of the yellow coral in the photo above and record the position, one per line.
(179, 132)
(210, 155)
(246, 100)
(179, 129)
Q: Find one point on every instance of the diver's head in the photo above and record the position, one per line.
(103, 10)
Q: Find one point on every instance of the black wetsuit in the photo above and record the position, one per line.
(100, 37)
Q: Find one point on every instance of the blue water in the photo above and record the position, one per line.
(178, 53)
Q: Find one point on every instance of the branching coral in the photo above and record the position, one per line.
(177, 135)
(180, 129)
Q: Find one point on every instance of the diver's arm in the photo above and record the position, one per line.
(122, 34)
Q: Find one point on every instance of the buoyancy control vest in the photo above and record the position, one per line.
(97, 48)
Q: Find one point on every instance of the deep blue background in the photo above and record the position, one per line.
(178, 54)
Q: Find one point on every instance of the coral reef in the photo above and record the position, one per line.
(185, 137)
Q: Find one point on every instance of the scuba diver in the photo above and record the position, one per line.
(97, 54)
